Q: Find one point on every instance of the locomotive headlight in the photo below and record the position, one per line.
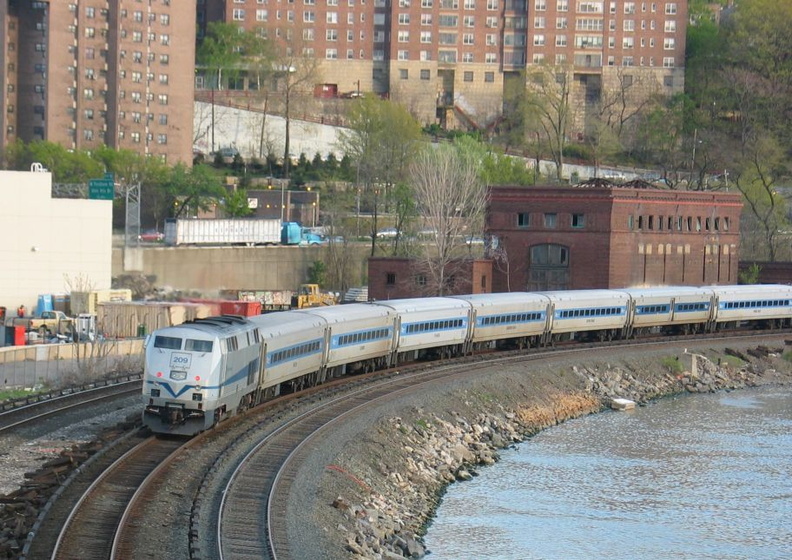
(178, 375)
(155, 392)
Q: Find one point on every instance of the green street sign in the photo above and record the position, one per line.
(101, 189)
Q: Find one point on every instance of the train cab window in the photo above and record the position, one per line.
(167, 342)
(232, 344)
(198, 345)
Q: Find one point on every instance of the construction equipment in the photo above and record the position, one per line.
(309, 296)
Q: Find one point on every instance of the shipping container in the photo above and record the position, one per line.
(87, 302)
(244, 308)
(237, 231)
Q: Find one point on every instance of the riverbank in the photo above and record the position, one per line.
(375, 497)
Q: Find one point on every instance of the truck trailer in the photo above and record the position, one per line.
(232, 231)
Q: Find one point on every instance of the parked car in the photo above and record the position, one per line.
(387, 232)
(474, 240)
(151, 235)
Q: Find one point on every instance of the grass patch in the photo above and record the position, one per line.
(423, 424)
(672, 363)
(733, 361)
(12, 394)
(787, 356)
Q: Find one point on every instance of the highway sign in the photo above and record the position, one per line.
(101, 189)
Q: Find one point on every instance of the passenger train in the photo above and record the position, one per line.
(202, 371)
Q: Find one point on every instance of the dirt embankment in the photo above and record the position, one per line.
(384, 486)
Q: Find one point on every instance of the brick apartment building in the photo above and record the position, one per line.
(448, 61)
(603, 236)
(83, 73)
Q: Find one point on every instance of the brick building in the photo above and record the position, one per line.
(604, 236)
(393, 278)
(449, 61)
(86, 73)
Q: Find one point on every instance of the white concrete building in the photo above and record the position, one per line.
(50, 244)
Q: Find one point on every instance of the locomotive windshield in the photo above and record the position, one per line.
(167, 342)
(198, 345)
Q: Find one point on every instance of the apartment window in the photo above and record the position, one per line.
(309, 16)
(403, 36)
(90, 32)
(538, 58)
(550, 219)
(137, 16)
(671, 8)
(523, 220)
(163, 79)
(135, 97)
(539, 22)
(331, 34)
(390, 278)
(162, 138)
(490, 58)
(670, 26)
(448, 20)
(492, 5)
(562, 5)
(426, 36)
(88, 134)
(590, 7)
(628, 42)
(560, 58)
(467, 21)
(578, 220)
(238, 14)
(629, 25)
(136, 117)
(404, 74)
(561, 23)
(539, 40)
(427, 3)
(425, 74)
(627, 61)
(135, 136)
(164, 59)
(88, 93)
(165, 39)
(629, 7)
(467, 76)
(332, 17)
(540, 5)
(491, 22)
(669, 43)
(331, 54)
(164, 19)
(469, 4)
(489, 77)
(137, 56)
(561, 41)
(404, 19)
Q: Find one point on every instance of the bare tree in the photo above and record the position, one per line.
(451, 198)
(548, 102)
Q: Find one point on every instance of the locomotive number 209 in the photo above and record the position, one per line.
(180, 361)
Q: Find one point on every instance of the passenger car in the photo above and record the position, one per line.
(151, 235)
(387, 232)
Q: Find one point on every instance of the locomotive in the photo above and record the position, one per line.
(202, 371)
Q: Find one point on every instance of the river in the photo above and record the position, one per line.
(693, 477)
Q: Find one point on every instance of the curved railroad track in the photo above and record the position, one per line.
(89, 532)
(30, 412)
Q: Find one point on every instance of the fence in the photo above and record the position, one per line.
(59, 365)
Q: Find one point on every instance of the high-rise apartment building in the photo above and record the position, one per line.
(83, 73)
(450, 59)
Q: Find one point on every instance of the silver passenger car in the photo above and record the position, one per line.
(518, 318)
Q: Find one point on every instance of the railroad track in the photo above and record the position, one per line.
(56, 404)
(89, 532)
